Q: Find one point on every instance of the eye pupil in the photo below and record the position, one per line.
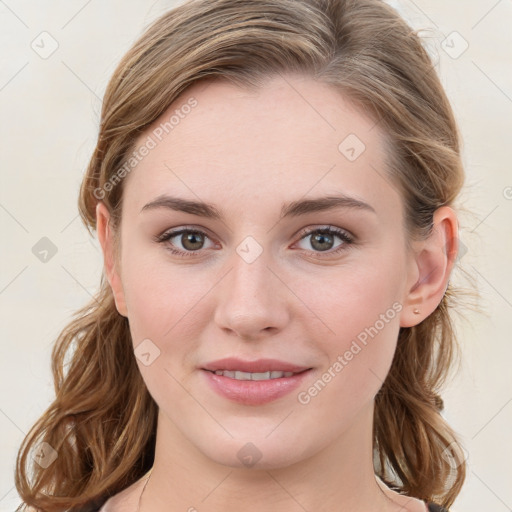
(321, 238)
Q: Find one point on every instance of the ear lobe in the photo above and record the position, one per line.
(434, 262)
(106, 239)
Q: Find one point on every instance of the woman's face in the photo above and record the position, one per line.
(260, 279)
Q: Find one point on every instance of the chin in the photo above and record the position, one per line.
(252, 453)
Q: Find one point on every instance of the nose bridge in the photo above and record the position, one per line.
(251, 275)
(251, 300)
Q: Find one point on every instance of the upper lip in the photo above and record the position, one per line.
(256, 366)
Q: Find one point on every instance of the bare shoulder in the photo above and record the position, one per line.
(127, 499)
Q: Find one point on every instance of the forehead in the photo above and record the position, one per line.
(291, 137)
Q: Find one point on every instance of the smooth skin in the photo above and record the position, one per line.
(248, 153)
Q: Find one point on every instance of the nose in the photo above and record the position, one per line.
(252, 299)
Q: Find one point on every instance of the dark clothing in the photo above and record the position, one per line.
(432, 507)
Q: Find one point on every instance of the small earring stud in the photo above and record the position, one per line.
(416, 311)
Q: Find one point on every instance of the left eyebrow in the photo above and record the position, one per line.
(302, 207)
(292, 209)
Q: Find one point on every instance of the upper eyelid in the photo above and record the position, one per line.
(324, 227)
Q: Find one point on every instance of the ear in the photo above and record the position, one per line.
(433, 260)
(106, 238)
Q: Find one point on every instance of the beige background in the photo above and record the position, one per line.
(50, 110)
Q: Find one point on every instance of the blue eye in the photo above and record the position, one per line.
(192, 240)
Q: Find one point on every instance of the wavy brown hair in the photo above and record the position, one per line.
(102, 422)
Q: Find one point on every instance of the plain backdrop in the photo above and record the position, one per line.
(56, 59)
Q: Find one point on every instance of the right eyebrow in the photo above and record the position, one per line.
(198, 208)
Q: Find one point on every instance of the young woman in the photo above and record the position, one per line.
(273, 189)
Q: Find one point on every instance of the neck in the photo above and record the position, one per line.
(340, 476)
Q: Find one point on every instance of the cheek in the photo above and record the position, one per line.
(356, 326)
(160, 296)
(350, 299)
(357, 360)
(164, 315)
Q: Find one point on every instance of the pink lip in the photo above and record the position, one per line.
(249, 392)
(257, 366)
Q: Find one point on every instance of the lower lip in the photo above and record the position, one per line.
(254, 392)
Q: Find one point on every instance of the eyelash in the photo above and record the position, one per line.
(343, 235)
